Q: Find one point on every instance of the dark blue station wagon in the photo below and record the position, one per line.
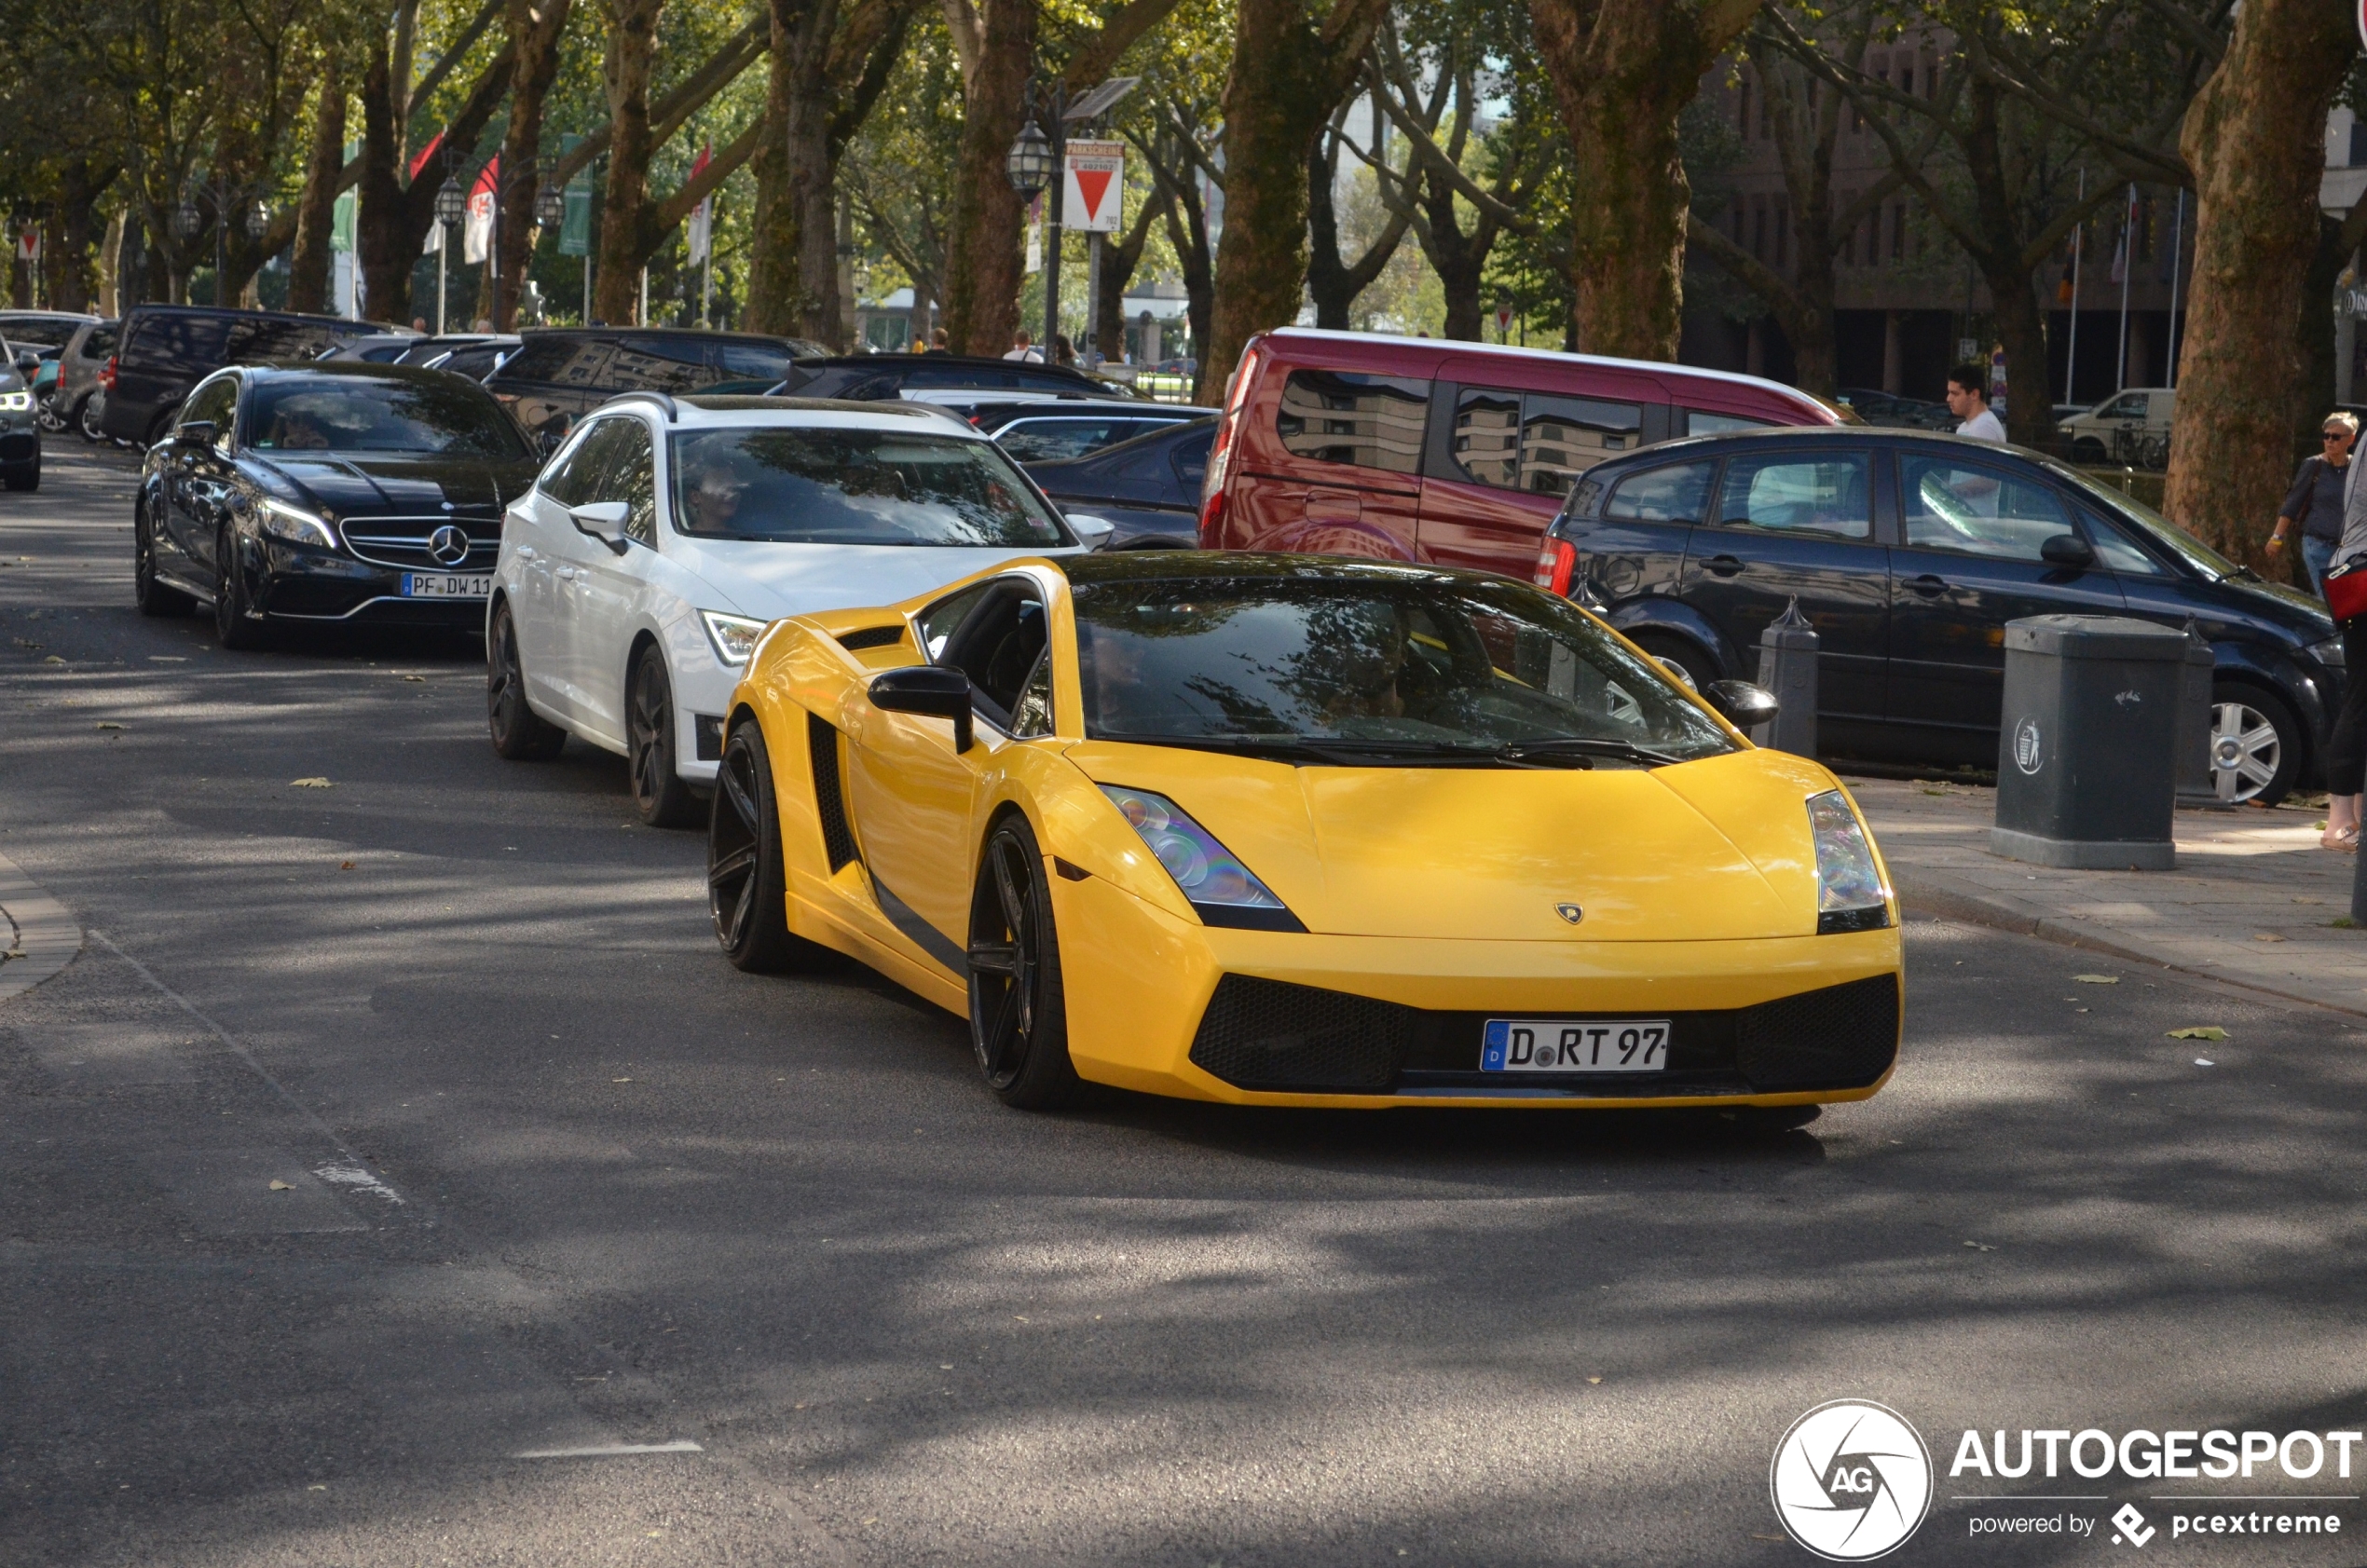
(1909, 552)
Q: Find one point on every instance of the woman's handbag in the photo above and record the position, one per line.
(2346, 588)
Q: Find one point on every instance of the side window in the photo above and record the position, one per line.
(216, 400)
(999, 644)
(1031, 715)
(566, 361)
(185, 344)
(575, 477)
(1675, 493)
(657, 364)
(938, 622)
(1191, 457)
(1979, 510)
(631, 476)
(747, 361)
(1814, 497)
(1561, 438)
(1701, 421)
(1488, 435)
(2117, 550)
(1037, 441)
(1369, 421)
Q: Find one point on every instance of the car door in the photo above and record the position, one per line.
(1797, 521)
(914, 795)
(1347, 481)
(608, 584)
(545, 543)
(1510, 459)
(196, 477)
(1969, 562)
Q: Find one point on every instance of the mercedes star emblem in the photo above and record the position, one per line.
(448, 545)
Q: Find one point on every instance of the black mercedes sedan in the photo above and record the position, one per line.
(1910, 551)
(328, 492)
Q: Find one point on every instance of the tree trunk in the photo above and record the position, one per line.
(316, 210)
(982, 263)
(1120, 258)
(1622, 72)
(383, 234)
(1291, 68)
(1187, 232)
(625, 73)
(535, 34)
(1332, 281)
(813, 180)
(2255, 136)
(70, 287)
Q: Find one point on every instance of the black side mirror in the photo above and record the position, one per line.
(2067, 549)
(196, 433)
(1740, 704)
(927, 689)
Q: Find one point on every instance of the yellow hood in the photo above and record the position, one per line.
(1705, 851)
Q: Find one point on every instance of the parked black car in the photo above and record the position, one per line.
(1051, 429)
(560, 373)
(1149, 487)
(328, 492)
(166, 350)
(1909, 552)
(19, 421)
(869, 377)
(41, 329)
(1891, 409)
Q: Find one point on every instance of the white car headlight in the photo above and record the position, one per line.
(15, 402)
(1850, 896)
(734, 636)
(294, 525)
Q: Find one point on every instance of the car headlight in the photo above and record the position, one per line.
(15, 402)
(1850, 896)
(2328, 653)
(1222, 890)
(734, 636)
(294, 525)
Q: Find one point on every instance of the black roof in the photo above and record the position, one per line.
(1168, 566)
(628, 333)
(348, 370)
(342, 324)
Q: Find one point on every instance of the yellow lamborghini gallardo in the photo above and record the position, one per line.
(1285, 830)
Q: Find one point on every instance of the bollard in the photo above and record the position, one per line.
(1787, 668)
(2198, 781)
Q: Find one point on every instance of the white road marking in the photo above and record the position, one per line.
(610, 1451)
(359, 1181)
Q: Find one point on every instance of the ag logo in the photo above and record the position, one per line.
(1851, 1481)
(2027, 755)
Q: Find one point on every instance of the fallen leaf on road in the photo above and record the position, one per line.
(2266, 936)
(415, 677)
(110, 726)
(344, 866)
(1757, 1536)
(53, 659)
(2199, 1032)
(1978, 1248)
(2096, 980)
(1593, 1380)
(280, 1186)
(311, 783)
(2205, 1061)
(620, 1080)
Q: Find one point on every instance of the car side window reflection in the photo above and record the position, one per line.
(1817, 497)
(217, 401)
(1675, 494)
(937, 623)
(631, 476)
(569, 481)
(2116, 551)
(1979, 510)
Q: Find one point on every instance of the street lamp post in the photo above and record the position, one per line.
(1033, 164)
(451, 207)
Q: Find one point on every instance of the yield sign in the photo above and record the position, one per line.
(1096, 182)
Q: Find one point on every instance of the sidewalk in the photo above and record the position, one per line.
(37, 936)
(2250, 901)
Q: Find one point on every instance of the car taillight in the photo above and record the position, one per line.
(1211, 519)
(106, 376)
(1236, 395)
(1554, 563)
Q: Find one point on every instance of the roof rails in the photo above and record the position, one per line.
(663, 400)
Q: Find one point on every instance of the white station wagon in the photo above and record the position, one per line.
(658, 543)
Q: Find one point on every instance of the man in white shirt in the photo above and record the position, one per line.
(1969, 400)
(1023, 347)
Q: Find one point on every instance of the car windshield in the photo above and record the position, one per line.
(349, 414)
(807, 485)
(1368, 668)
(2160, 529)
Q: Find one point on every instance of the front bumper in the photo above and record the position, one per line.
(290, 582)
(1167, 1007)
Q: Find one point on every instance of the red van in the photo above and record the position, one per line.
(1456, 454)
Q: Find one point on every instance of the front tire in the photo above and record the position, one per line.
(746, 886)
(1018, 1009)
(519, 733)
(233, 626)
(153, 597)
(660, 793)
(2255, 745)
(86, 419)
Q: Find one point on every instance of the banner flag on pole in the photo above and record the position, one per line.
(702, 215)
(477, 233)
(425, 153)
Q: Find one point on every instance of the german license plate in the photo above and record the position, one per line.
(446, 585)
(1574, 1046)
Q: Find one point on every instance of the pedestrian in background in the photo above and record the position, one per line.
(2346, 748)
(941, 341)
(1023, 347)
(2315, 503)
(1969, 400)
(1064, 352)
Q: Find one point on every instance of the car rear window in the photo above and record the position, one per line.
(189, 344)
(1367, 421)
(1675, 494)
(564, 361)
(38, 331)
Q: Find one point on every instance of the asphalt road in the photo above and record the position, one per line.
(557, 1177)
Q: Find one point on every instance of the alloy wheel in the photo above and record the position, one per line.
(2244, 752)
(735, 847)
(651, 717)
(1004, 946)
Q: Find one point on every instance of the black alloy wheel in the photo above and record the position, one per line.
(746, 889)
(519, 733)
(1019, 1011)
(659, 792)
(232, 626)
(153, 597)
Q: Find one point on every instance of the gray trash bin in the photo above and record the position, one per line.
(2087, 752)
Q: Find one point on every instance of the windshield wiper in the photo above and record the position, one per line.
(1587, 745)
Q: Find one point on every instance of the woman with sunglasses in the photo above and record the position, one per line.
(2315, 503)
